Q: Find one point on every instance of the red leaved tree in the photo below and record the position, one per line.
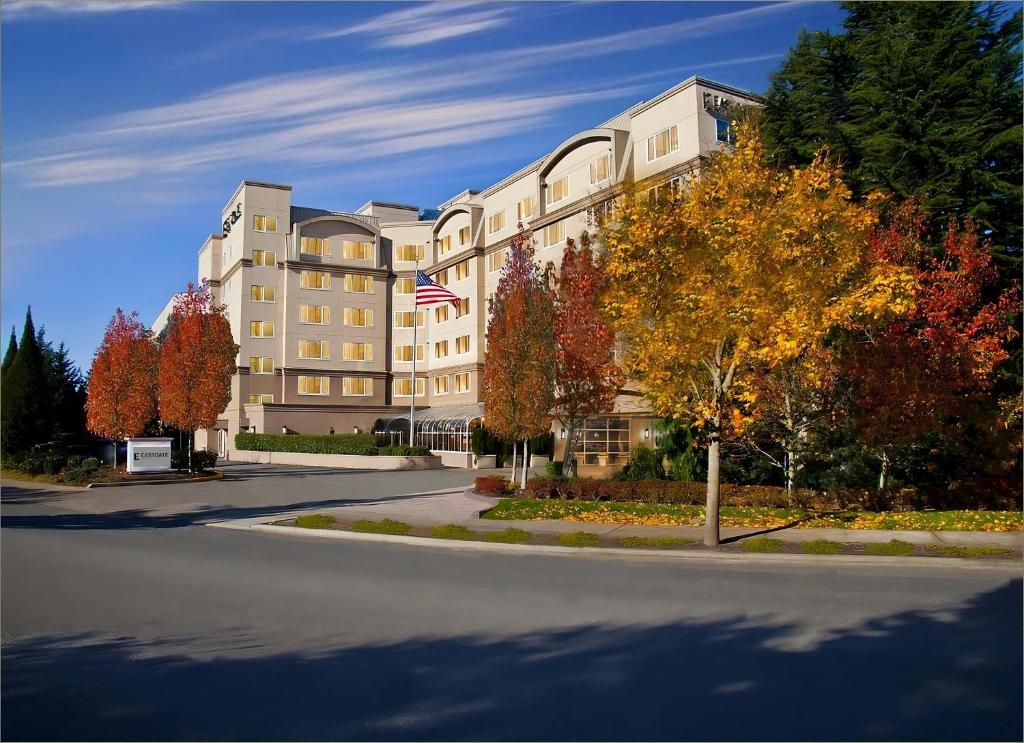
(122, 381)
(586, 375)
(519, 365)
(935, 365)
(197, 361)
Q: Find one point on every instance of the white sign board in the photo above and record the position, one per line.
(149, 455)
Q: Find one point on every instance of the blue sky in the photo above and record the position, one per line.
(126, 126)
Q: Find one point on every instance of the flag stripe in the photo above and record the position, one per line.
(429, 291)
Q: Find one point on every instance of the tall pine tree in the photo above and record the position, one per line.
(12, 351)
(25, 405)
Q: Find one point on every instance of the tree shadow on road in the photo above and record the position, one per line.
(951, 675)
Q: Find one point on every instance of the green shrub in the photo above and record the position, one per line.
(822, 547)
(74, 475)
(508, 536)
(543, 445)
(451, 531)
(645, 464)
(892, 547)
(90, 465)
(348, 443)
(53, 463)
(665, 541)
(555, 470)
(980, 550)
(384, 526)
(31, 464)
(203, 460)
(763, 544)
(578, 539)
(315, 521)
(403, 450)
(482, 442)
(490, 485)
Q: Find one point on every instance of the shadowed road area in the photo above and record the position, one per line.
(118, 627)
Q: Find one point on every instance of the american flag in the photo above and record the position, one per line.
(429, 291)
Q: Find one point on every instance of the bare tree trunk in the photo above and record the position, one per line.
(526, 459)
(191, 446)
(711, 511)
(883, 476)
(790, 470)
(515, 453)
(569, 454)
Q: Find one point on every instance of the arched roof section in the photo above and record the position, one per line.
(576, 140)
(449, 213)
(353, 220)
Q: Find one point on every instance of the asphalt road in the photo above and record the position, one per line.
(123, 617)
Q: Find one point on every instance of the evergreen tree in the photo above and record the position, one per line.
(67, 391)
(12, 351)
(25, 405)
(917, 99)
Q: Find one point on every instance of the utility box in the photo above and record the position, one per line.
(149, 455)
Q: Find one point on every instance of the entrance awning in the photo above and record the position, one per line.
(439, 428)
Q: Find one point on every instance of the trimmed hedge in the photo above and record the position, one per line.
(695, 494)
(346, 443)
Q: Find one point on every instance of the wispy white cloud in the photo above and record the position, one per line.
(19, 9)
(425, 24)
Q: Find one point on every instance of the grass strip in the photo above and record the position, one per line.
(578, 539)
(822, 547)
(451, 531)
(384, 526)
(315, 521)
(763, 544)
(657, 542)
(981, 550)
(508, 536)
(892, 547)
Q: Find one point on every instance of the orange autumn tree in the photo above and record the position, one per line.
(519, 364)
(747, 266)
(586, 375)
(197, 361)
(123, 380)
(935, 367)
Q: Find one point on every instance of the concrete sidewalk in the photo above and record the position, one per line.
(463, 507)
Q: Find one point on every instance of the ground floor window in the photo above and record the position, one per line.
(605, 441)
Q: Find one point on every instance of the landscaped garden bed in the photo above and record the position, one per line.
(667, 514)
(583, 538)
(56, 468)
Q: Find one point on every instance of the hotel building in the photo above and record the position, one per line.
(321, 301)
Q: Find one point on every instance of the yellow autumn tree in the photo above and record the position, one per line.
(746, 266)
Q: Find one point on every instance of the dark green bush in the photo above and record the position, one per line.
(90, 465)
(555, 470)
(31, 464)
(203, 460)
(53, 463)
(482, 442)
(346, 443)
(645, 464)
(543, 445)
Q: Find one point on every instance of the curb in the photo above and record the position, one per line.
(670, 556)
(208, 478)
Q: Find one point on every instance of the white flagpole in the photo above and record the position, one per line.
(412, 405)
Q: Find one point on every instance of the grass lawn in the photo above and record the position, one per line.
(315, 521)
(384, 526)
(657, 514)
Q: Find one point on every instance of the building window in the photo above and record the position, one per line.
(496, 261)
(604, 438)
(262, 223)
(314, 246)
(463, 235)
(526, 208)
(315, 280)
(462, 270)
(357, 386)
(403, 387)
(357, 317)
(667, 190)
(556, 191)
(462, 344)
(405, 286)
(261, 364)
(404, 353)
(357, 351)
(496, 222)
(314, 385)
(409, 253)
(261, 399)
(441, 314)
(313, 314)
(462, 382)
(356, 251)
(264, 258)
(463, 309)
(599, 170)
(554, 234)
(663, 143)
(358, 283)
(441, 277)
(444, 244)
(314, 350)
(440, 349)
(261, 329)
(261, 293)
(441, 385)
(403, 319)
(723, 131)
(601, 214)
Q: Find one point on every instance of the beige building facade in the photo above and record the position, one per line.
(321, 302)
